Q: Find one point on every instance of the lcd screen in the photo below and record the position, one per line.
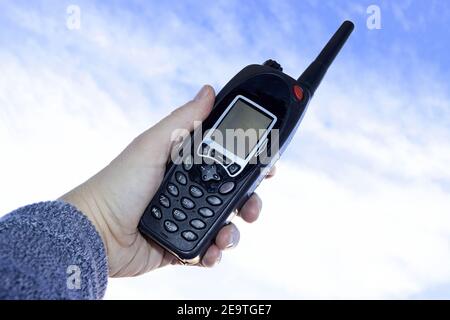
(242, 128)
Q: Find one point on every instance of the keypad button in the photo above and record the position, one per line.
(187, 203)
(233, 168)
(178, 214)
(170, 226)
(197, 224)
(205, 148)
(188, 162)
(189, 235)
(196, 192)
(206, 212)
(181, 178)
(214, 201)
(172, 189)
(227, 187)
(156, 212)
(164, 201)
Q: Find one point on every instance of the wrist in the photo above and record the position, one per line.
(85, 203)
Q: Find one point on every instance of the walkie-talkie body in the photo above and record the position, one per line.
(217, 170)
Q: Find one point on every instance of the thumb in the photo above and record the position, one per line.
(181, 121)
(185, 117)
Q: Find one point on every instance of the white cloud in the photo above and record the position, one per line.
(359, 206)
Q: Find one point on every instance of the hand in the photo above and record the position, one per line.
(116, 197)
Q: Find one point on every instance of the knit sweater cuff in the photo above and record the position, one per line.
(50, 250)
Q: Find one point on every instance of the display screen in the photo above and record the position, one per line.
(242, 127)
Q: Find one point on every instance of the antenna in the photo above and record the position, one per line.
(313, 75)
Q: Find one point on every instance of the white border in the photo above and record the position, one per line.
(234, 158)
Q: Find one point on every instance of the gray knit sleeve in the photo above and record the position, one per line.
(50, 250)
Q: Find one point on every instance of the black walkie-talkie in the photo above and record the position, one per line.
(217, 170)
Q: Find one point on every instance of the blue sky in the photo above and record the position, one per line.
(360, 205)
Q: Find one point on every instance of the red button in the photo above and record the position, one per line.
(298, 91)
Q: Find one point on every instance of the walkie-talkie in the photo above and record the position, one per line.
(225, 158)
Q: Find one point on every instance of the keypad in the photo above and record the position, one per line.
(181, 178)
(156, 212)
(187, 203)
(164, 201)
(179, 214)
(195, 191)
(172, 189)
(214, 201)
(174, 207)
(227, 187)
(170, 226)
(197, 224)
(189, 235)
(206, 212)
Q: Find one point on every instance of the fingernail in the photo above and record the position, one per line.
(260, 204)
(202, 93)
(219, 258)
(234, 238)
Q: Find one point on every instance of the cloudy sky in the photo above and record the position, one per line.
(360, 207)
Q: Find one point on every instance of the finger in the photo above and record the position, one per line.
(272, 172)
(228, 237)
(212, 256)
(251, 209)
